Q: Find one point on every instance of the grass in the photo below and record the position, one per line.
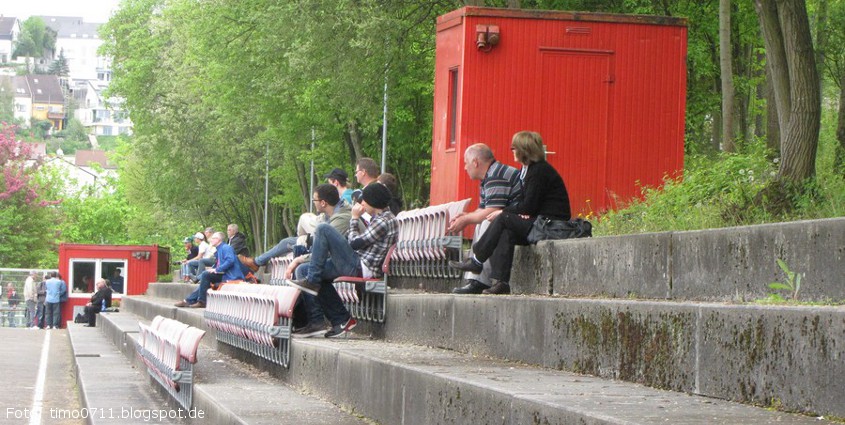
(720, 190)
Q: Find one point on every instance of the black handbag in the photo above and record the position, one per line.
(547, 228)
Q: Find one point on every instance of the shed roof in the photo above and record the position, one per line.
(495, 12)
(84, 158)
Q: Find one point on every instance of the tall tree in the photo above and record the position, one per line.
(25, 215)
(726, 66)
(60, 66)
(789, 48)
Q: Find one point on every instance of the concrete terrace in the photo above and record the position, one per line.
(639, 329)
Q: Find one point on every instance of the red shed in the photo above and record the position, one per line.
(607, 93)
(129, 268)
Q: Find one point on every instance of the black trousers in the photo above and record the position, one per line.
(498, 242)
(91, 313)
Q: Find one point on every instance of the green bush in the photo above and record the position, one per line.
(725, 190)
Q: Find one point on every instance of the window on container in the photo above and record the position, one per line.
(452, 125)
(84, 273)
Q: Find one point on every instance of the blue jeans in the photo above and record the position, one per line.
(39, 314)
(30, 313)
(53, 317)
(206, 279)
(331, 257)
(313, 311)
(195, 267)
(281, 248)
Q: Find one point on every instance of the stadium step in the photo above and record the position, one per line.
(397, 381)
(225, 390)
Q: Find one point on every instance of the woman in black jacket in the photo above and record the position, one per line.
(543, 193)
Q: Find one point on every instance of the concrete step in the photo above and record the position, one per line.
(229, 391)
(787, 356)
(791, 356)
(393, 382)
(112, 390)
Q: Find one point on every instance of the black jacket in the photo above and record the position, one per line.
(99, 296)
(543, 193)
(238, 244)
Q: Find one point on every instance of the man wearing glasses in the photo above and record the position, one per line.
(366, 172)
(330, 209)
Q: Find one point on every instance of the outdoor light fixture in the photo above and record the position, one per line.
(486, 36)
(141, 255)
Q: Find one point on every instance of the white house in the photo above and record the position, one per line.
(22, 97)
(81, 171)
(103, 117)
(79, 42)
(10, 30)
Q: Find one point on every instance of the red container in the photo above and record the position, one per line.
(607, 93)
(81, 265)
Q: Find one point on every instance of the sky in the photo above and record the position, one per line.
(89, 10)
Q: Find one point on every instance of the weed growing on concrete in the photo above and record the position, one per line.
(791, 284)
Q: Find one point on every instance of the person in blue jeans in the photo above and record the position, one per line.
(330, 209)
(56, 288)
(227, 268)
(359, 254)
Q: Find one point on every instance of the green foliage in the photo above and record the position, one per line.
(35, 37)
(7, 101)
(725, 190)
(792, 284)
(60, 65)
(71, 139)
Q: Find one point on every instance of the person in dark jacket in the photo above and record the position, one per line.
(543, 193)
(237, 241)
(100, 301)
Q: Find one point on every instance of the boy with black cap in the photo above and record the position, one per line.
(361, 255)
(338, 179)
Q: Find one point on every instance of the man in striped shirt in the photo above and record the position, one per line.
(500, 186)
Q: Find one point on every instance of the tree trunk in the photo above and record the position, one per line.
(772, 125)
(760, 92)
(775, 58)
(726, 66)
(514, 4)
(354, 139)
(839, 160)
(821, 40)
(716, 130)
(795, 78)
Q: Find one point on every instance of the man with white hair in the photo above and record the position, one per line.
(226, 269)
(500, 186)
(100, 301)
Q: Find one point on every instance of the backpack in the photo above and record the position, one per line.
(545, 228)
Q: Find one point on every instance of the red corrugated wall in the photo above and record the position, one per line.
(139, 272)
(607, 92)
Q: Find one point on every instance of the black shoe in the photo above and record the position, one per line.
(341, 329)
(468, 265)
(498, 288)
(472, 287)
(308, 331)
(305, 286)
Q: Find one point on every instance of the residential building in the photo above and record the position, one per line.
(79, 42)
(103, 117)
(10, 29)
(48, 100)
(84, 170)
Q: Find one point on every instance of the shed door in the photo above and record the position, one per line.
(574, 98)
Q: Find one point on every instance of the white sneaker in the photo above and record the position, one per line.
(34, 327)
